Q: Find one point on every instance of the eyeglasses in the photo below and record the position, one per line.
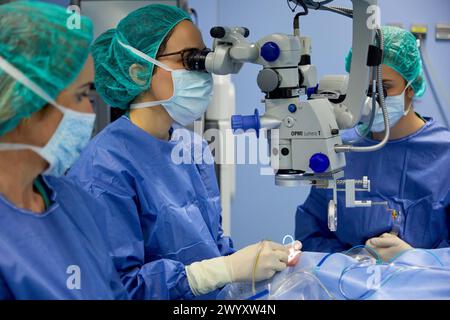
(187, 55)
(370, 89)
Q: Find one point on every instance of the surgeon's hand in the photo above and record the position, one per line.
(273, 257)
(388, 246)
(208, 275)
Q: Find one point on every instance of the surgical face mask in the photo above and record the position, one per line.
(71, 135)
(192, 92)
(396, 109)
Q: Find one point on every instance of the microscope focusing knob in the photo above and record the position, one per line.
(270, 51)
(268, 80)
(292, 108)
(319, 162)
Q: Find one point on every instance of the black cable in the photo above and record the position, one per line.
(289, 5)
(338, 11)
(305, 8)
(298, 15)
(193, 13)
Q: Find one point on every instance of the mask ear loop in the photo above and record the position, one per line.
(404, 93)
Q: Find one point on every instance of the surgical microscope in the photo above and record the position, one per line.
(304, 135)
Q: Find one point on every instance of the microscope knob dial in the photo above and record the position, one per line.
(268, 80)
(319, 162)
(270, 51)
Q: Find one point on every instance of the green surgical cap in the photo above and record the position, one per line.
(144, 29)
(35, 39)
(401, 54)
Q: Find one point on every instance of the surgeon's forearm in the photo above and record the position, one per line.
(162, 279)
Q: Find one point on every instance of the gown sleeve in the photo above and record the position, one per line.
(159, 279)
(224, 243)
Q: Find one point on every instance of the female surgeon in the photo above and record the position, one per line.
(411, 173)
(51, 246)
(164, 217)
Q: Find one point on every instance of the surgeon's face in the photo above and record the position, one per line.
(394, 84)
(40, 127)
(76, 95)
(184, 36)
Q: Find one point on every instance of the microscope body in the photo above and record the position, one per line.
(301, 134)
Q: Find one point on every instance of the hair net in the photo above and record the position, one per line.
(35, 39)
(401, 54)
(144, 29)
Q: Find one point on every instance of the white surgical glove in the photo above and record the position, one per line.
(273, 257)
(208, 275)
(388, 246)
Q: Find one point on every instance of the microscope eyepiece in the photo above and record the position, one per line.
(194, 60)
(217, 32)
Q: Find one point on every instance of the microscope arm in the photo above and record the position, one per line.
(349, 112)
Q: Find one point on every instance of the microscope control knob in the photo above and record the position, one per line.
(240, 122)
(289, 122)
(268, 80)
(319, 162)
(334, 131)
(292, 108)
(270, 51)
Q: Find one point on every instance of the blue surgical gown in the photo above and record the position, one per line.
(59, 254)
(412, 174)
(162, 214)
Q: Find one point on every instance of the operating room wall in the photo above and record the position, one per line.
(260, 209)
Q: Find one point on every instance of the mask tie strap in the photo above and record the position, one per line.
(19, 76)
(151, 60)
(145, 56)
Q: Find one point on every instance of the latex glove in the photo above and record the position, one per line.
(388, 246)
(273, 257)
(294, 253)
(207, 275)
